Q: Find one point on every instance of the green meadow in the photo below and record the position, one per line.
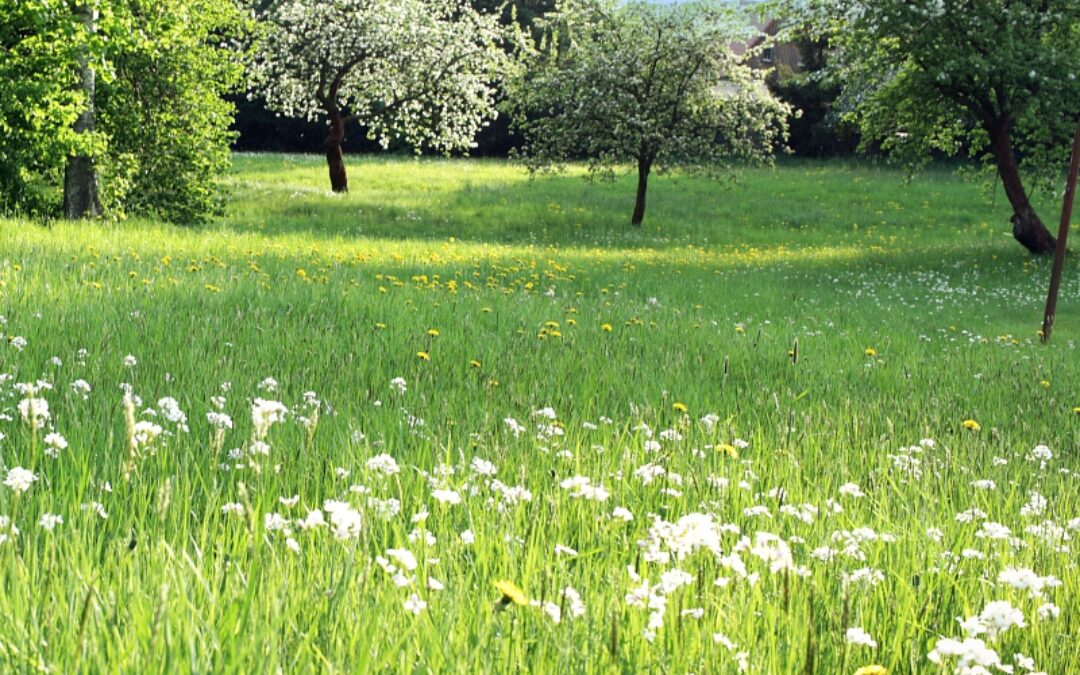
(458, 420)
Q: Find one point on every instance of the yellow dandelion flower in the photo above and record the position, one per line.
(870, 351)
(972, 425)
(1045, 384)
(556, 333)
(571, 322)
(680, 407)
(872, 670)
(606, 328)
(474, 363)
(433, 332)
(380, 326)
(300, 272)
(1077, 410)
(551, 324)
(423, 356)
(511, 593)
(212, 288)
(728, 449)
(740, 328)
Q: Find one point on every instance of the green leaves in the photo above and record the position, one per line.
(932, 75)
(38, 100)
(162, 129)
(173, 63)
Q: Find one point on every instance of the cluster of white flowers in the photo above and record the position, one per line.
(581, 487)
(266, 413)
(383, 464)
(54, 444)
(171, 411)
(34, 411)
(146, 433)
(345, 521)
(19, 479)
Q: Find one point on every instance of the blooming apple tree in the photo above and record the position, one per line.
(423, 71)
(655, 86)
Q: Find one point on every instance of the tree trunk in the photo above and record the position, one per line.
(335, 159)
(643, 168)
(81, 199)
(1028, 229)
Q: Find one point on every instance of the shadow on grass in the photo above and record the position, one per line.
(493, 201)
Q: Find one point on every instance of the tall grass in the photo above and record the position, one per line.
(744, 355)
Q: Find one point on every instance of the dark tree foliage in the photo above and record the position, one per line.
(527, 11)
(259, 129)
(995, 77)
(818, 130)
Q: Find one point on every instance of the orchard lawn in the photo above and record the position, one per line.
(455, 420)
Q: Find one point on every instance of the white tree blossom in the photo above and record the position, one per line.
(423, 71)
(652, 85)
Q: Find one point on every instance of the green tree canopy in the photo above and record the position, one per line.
(161, 137)
(164, 108)
(39, 100)
(1001, 77)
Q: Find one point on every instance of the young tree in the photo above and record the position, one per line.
(418, 70)
(997, 76)
(653, 85)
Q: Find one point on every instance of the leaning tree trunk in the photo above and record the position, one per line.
(643, 168)
(1028, 229)
(81, 199)
(335, 158)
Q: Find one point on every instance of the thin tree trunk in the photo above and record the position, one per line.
(643, 168)
(81, 198)
(335, 159)
(1063, 238)
(1028, 229)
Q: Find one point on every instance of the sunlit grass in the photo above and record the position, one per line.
(827, 315)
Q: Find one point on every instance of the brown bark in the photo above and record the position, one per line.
(1063, 238)
(335, 158)
(81, 198)
(1028, 229)
(643, 168)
